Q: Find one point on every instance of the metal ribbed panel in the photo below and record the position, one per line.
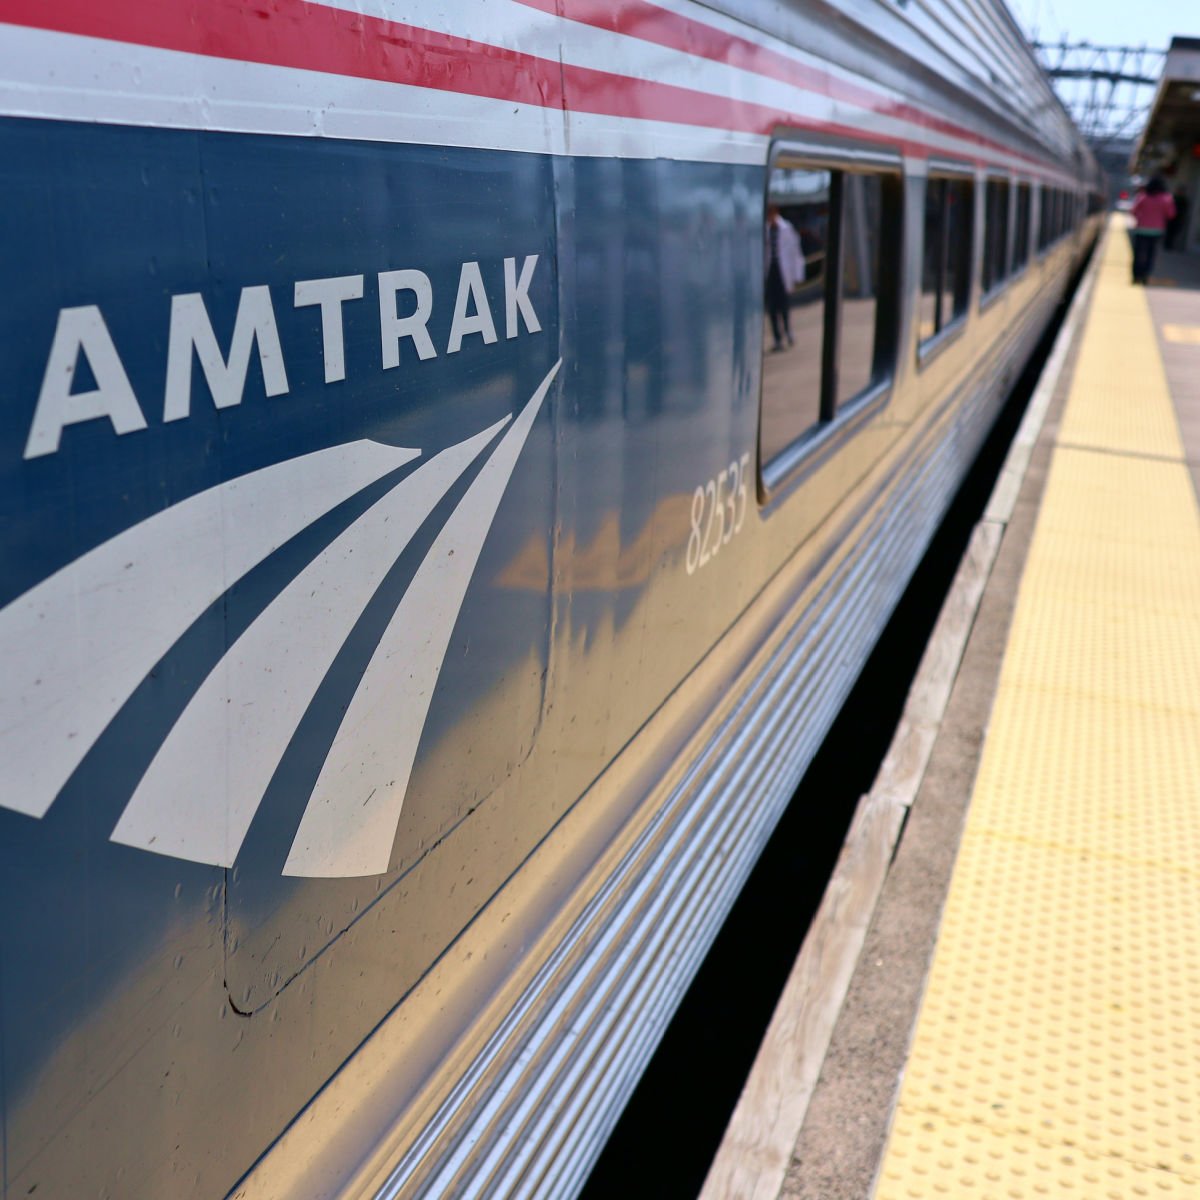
(536, 1108)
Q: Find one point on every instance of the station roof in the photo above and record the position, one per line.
(1172, 131)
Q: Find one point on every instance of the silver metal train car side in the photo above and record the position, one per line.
(425, 581)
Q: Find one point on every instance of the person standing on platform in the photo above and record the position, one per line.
(785, 269)
(1152, 209)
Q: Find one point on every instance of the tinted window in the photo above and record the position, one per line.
(795, 241)
(995, 234)
(1021, 228)
(946, 262)
(1046, 218)
(932, 259)
(960, 225)
(830, 261)
(863, 358)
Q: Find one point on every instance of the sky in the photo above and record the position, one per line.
(1108, 22)
(1148, 23)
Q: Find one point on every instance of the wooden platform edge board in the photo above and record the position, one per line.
(755, 1152)
(757, 1147)
(903, 766)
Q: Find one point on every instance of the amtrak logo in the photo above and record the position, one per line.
(79, 643)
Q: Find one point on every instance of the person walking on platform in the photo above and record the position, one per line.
(785, 269)
(1152, 209)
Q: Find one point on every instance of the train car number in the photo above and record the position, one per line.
(719, 502)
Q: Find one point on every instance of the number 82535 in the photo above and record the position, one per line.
(718, 513)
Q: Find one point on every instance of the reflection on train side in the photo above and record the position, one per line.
(946, 269)
(794, 248)
(830, 248)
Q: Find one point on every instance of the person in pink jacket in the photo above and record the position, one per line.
(1152, 209)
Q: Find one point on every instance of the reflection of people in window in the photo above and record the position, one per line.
(785, 269)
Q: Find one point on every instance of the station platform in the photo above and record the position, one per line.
(1058, 1046)
(1023, 1016)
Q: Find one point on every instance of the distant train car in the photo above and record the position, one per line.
(455, 461)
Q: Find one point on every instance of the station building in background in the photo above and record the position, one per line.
(1170, 143)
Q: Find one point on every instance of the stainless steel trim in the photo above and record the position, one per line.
(813, 447)
(833, 153)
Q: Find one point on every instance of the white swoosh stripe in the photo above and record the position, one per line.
(350, 822)
(199, 795)
(76, 646)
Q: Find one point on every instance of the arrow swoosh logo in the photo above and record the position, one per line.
(82, 641)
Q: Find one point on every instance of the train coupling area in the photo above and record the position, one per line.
(1023, 1017)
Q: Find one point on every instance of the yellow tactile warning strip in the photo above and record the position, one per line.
(1058, 1047)
(1188, 334)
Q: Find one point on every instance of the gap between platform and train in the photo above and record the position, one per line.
(724, 1097)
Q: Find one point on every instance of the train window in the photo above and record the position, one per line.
(995, 234)
(864, 352)
(1021, 228)
(831, 264)
(1046, 218)
(946, 263)
(795, 248)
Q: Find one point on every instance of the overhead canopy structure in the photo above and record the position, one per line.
(1170, 143)
(1106, 89)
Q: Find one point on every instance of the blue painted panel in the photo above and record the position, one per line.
(579, 619)
(124, 219)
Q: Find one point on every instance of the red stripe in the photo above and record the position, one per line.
(316, 37)
(649, 23)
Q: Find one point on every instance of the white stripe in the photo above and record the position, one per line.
(350, 822)
(69, 77)
(517, 27)
(199, 795)
(76, 646)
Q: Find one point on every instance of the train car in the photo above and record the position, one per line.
(455, 460)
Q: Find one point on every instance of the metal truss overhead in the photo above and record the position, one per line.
(1107, 89)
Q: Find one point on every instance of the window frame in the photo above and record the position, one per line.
(989, 295)
(929, 348)
(1019, 269)
(813, 446)
(1045, 217)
